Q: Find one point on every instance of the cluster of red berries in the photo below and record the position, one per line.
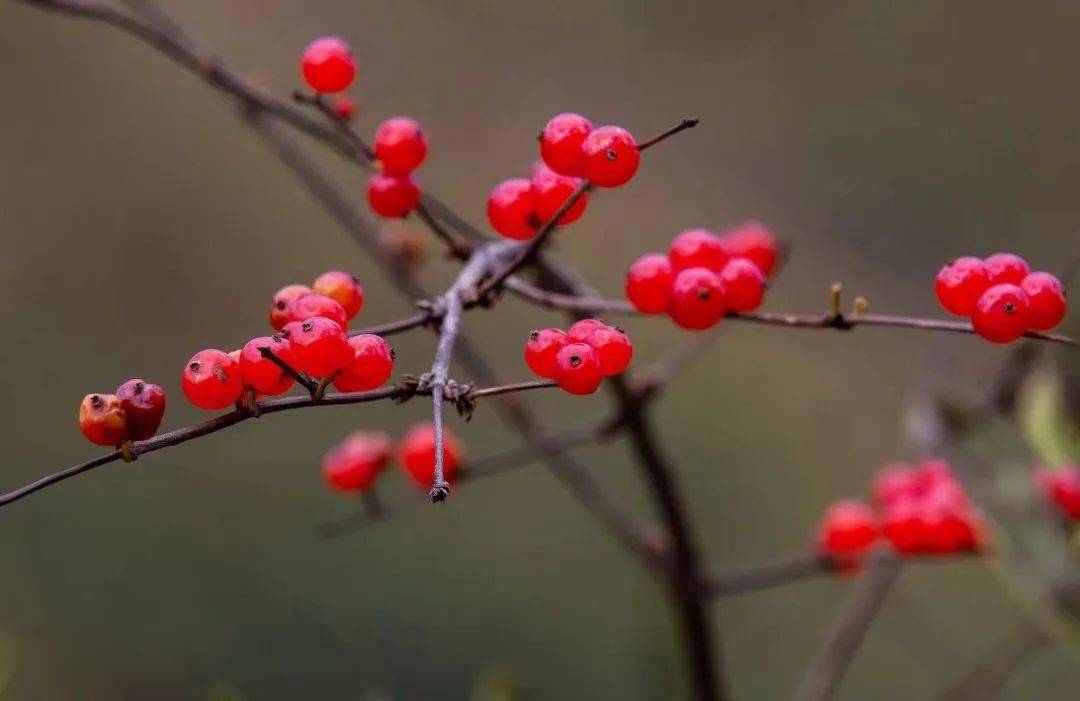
(517, 207)
(1002, 296)
(132, 414)
(704, 276)
(335, 295)
(355, 463)
(400, 147)
(579, 358)
(920, 510)
(1061, 488)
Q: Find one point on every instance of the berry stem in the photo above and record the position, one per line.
(301, 379)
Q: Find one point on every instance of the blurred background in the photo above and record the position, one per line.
(141, 222)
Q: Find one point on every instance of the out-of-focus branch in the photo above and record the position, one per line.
(769, 575)
(998, 663)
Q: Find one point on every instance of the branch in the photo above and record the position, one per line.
(998, 663)
(390, 328)
(769, 575)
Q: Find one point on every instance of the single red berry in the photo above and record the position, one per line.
(400, 145)
(1006, 268)
(1061, 488)
(344, 108)
(848, 530)
(613, 348)
(697, 248)
(581, 329)
(561, 142)
(1001, 314)
(697, 299)
(611, 156)
(102, 419)
(1046, 300)
(310, 305)
(327, 65)
(648, 283)
(551, 190)
(318, 346)
(279, 307)
(353, 464)
(743, 283)
(541, 349)
(371, 365)
(262, 374)
(951, 527)
(906, 525)
(343, 288)
(755, 241)
(392, 196)
(417, 454)
(577, 368)
(212, 380)
(892, 483)
(144, 405)
(960, 284)
(510, 209)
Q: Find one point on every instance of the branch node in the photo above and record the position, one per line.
(320, 389)
(127, 450)
(439, 492)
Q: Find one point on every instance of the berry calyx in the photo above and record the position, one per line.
(848, 529)
(343, 288)
(561, 144)
(1046, 300)
(577, 368)
(541, 349)
(1061, 488)
(613, 348)
(400, 145)
(1006, 268)
(279, 307)
(551, 190)
(510, 209)
(211, 380)
(960, 284)
(755, 241)
(102, 419)
(1001, 315)
(417, 454)
(697, 299)
(327, 65)
(311, 305)
(581, 329)
(743, 283)
(262, 374)
(697, 248)
(144, 406)
(392, 196)
(355, 463)
(371, 365)
(648, 283)
(318, 346)
(611, 156)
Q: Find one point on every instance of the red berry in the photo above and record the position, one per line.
(417, 454)
(310, 305)
(1006, 268)
(327, 65)
(550, 190)
(906, 525)
(581, 329)
(510, 209)
(743, 283)
(611, 156)
(755, 241)
(279, 308)
(344, 108)
(613, 348)
(1001, 314)
(960, 284)
(1061, 488)
(577, 368)
(400, 145)
(392, 196)
(371, 365)
(144, 405)
(1046, 300)
(102, 419)
(262, 374)
(697, 248)
(343, 288)
(848, 529)
(561, 142)
(648, 283)
(697, 299)
(541, 349)
(892, 483)
(211, 380)
(353, 464)
(318, 346)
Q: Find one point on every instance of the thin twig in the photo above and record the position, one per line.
(681, 126)
(769, 575)
(998, 663)
(394, 327)
(301, 379)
